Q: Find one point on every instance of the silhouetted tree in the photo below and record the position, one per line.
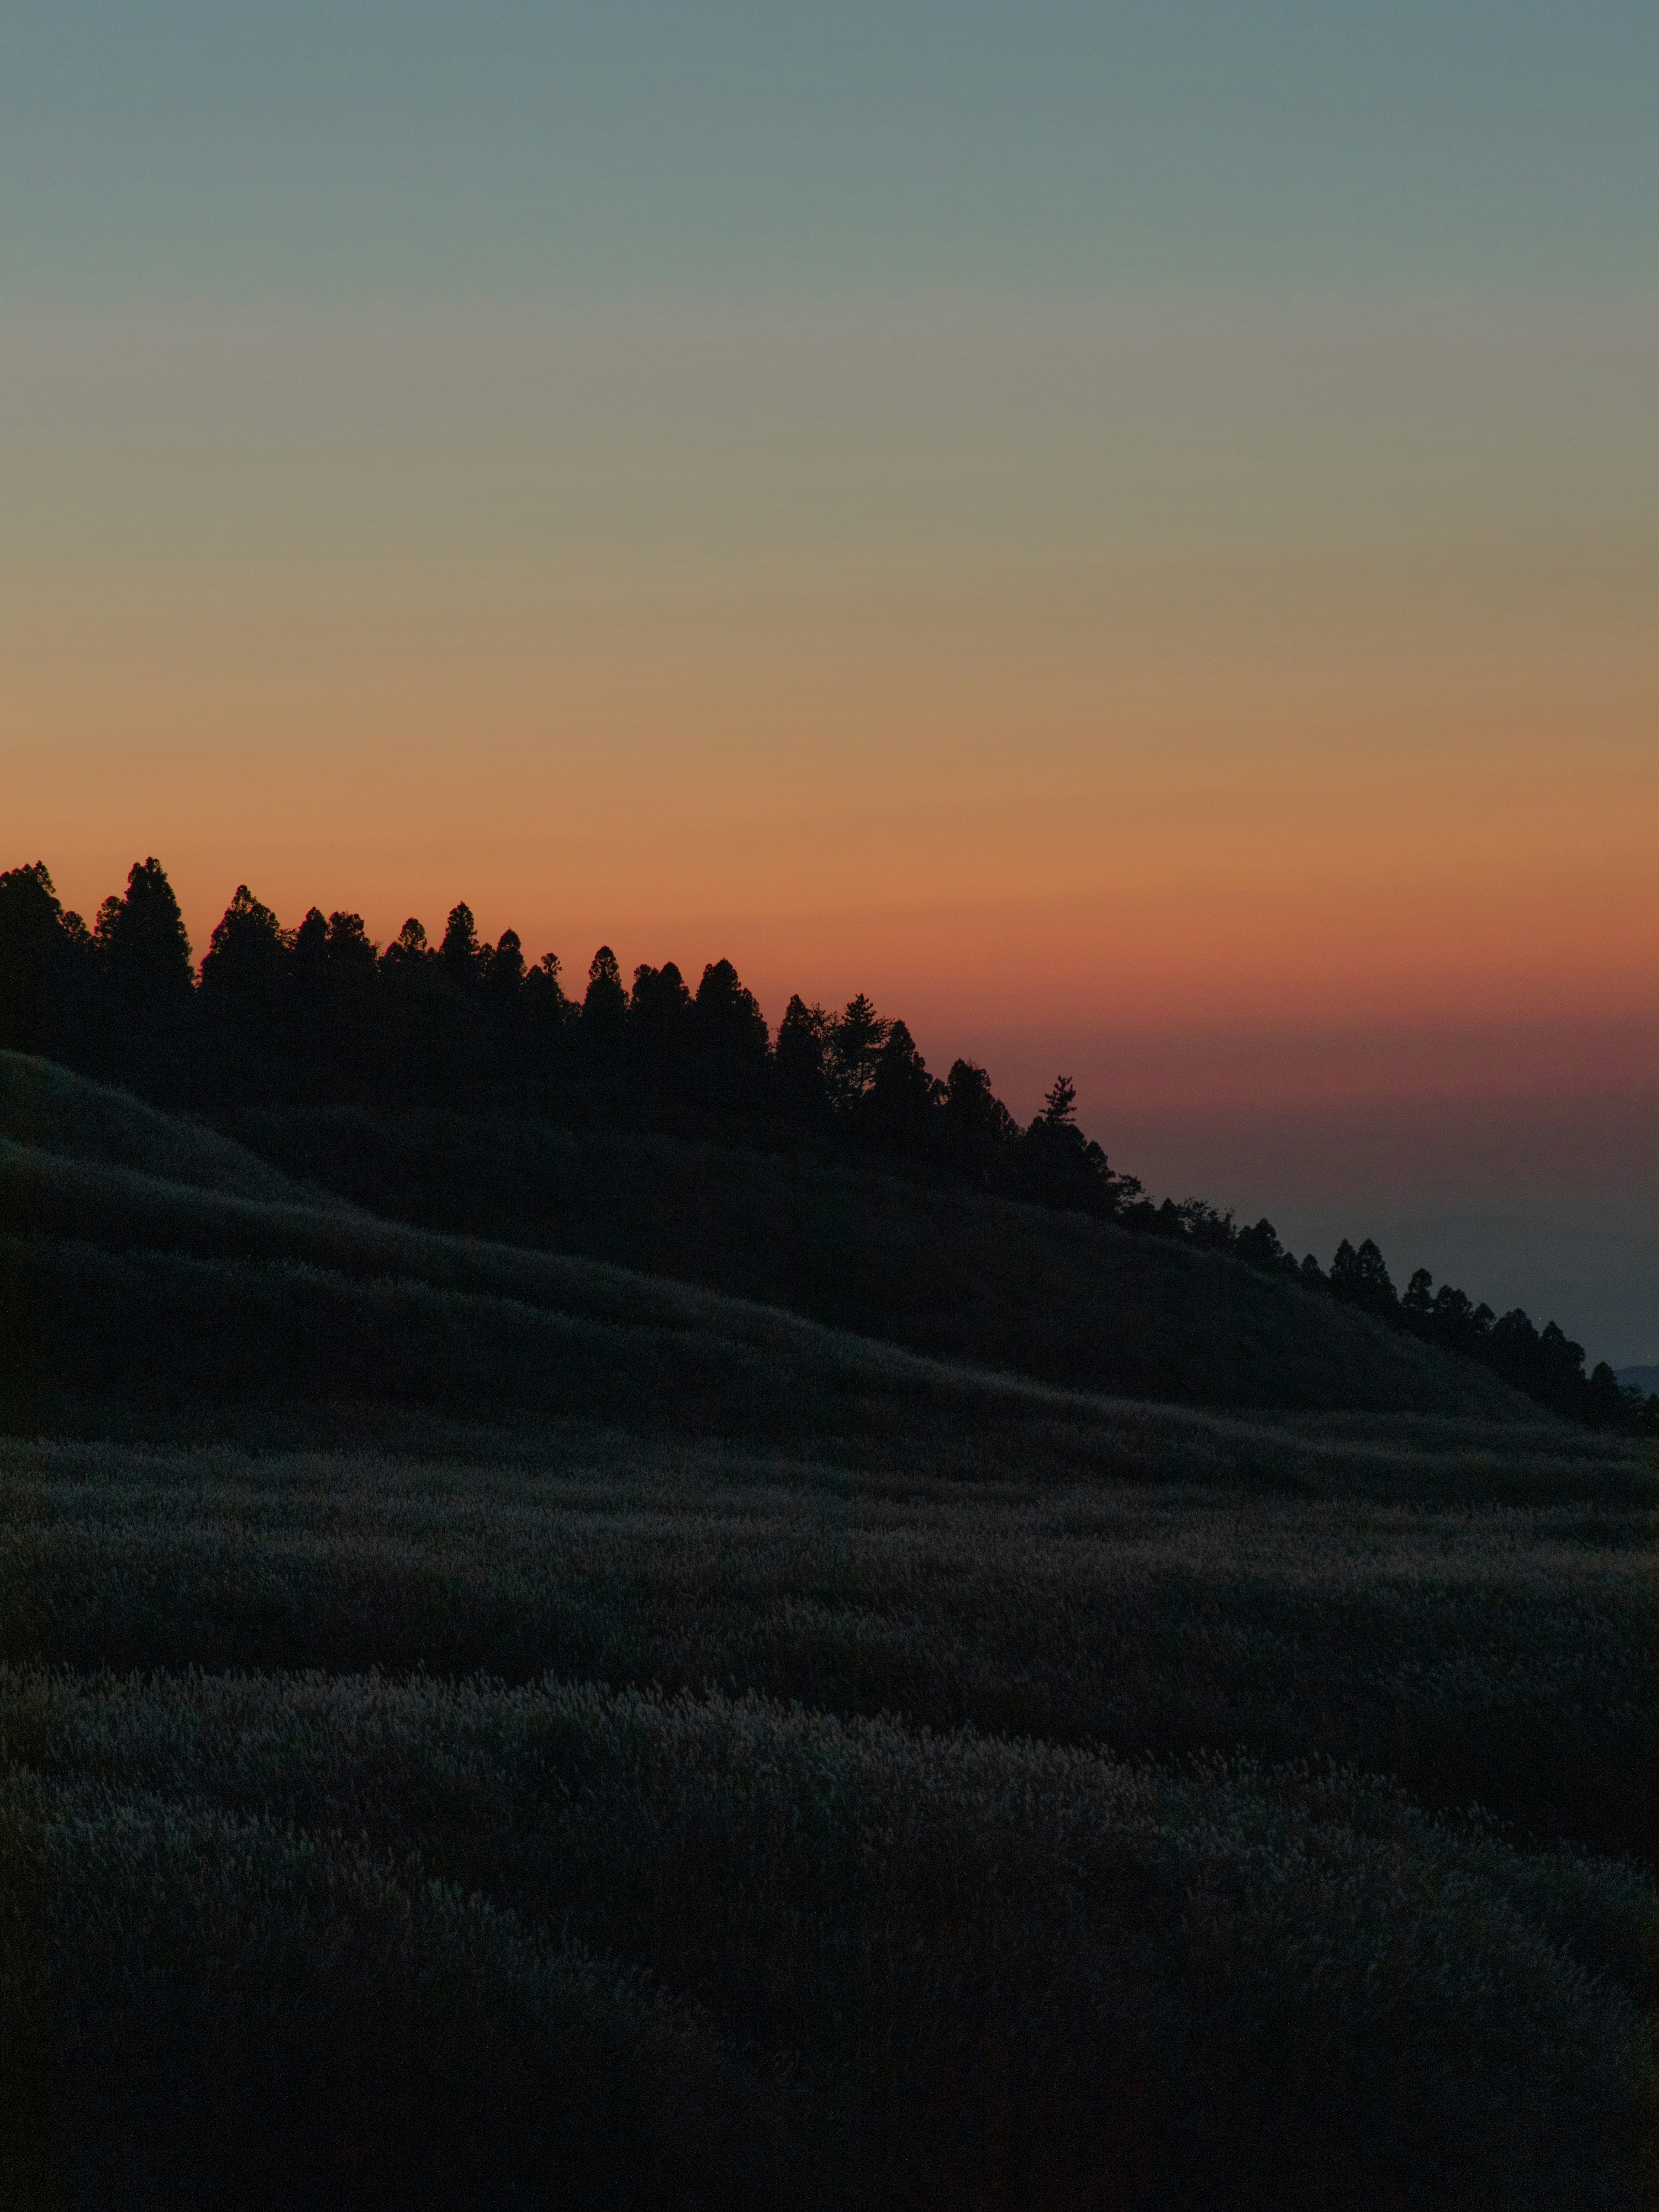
(660, 1030)
(503, 1042)
(899, 1108)
(1609, 1405)
(404, 979)
(856, 1036)
(243, 998)
(1457, 1323)
(143, 941)
(408, 948)
(730, 1043)
(460, 958)
(245, 955)
(550, 1021)
(1261, 1248)
(40, 948)
(346, 1033)
(500, 969)
(351, 949)
(1056, 1164)
(1060, 1104)
(147, 984)
(1362, 1279)
(977, 1134)
(800, 1082)
(1210, 1227)
(604, 1014)
(307, 985)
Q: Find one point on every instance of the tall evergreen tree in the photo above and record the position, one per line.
(244, 1002)
(900, 1107)
(1259, 1246)
(977, 1131)
(1060, 1104)
(730, 1043)
(460, 957)
(1363, 1279)
(857, 1034)
(147, 987)
(408, 948)
(800, 1082)
(143, 942)
(604, 1014)
(503, 973)
(550, 1021)
(245, 958)
(659, 1030)
(37, 952)
(306, 1010)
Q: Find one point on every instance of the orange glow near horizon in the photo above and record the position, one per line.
(1153, 672)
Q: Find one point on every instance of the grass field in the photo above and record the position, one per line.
(482, 1726)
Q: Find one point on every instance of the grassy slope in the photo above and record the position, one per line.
(732, 1914)
(959, 1276)
(122, 1284)
(429, 1944)
(1482, 1656)
(45, 1108)
(440, 1941)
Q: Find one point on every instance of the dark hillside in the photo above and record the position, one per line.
(134, 1306)
(1060, 1296)
(49, 1110)
(490, 1729)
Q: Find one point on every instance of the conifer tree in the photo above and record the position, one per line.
(143, 943)
(36, 952)
(857, 1034)
(605, 1013)
(460, 956)
(900, 1108)
(245, 955)
(730, 1043)
(800, 1082)
(147, 987)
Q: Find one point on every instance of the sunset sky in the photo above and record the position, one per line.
(1132, 535)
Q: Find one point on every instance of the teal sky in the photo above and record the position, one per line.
(503, 148)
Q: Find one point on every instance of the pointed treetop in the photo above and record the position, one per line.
(1059, 1104)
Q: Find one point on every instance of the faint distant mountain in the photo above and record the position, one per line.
(1643, 1378)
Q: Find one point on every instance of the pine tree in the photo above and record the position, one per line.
(730, 1043)
(857, 1034)
(143, 941)
(605, 1013)
(37, 951)
(900, 1108)
(147, 987)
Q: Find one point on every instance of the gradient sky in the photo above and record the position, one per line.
(1132, 535)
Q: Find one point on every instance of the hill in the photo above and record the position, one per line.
(488, 1729)
(134, 1305)
(1058, 1297)
(48, 1109)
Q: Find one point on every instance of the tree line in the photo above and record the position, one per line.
(319, 1013)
